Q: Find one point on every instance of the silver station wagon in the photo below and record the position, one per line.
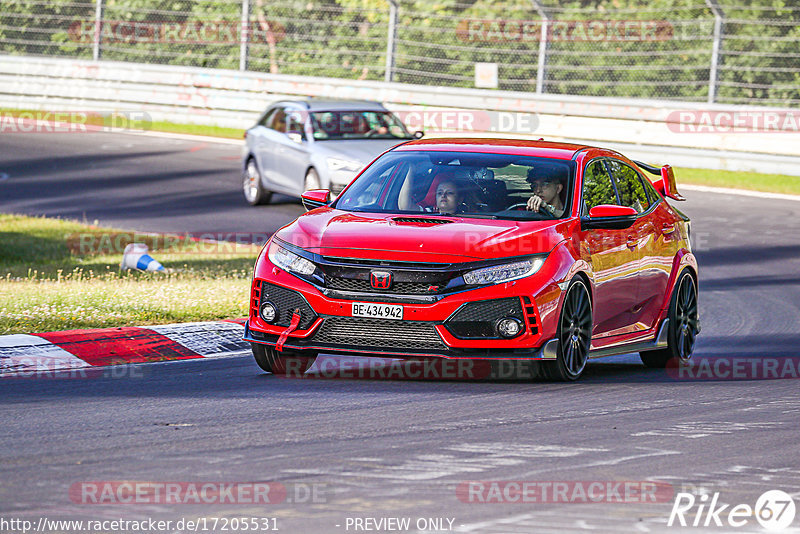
(315, 144)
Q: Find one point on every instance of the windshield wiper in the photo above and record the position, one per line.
(522, 218)
(470, 215)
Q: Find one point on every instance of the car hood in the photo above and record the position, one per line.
(360, 150)
(332, 232)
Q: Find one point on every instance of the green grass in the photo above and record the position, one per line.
(771, 183)
(59, 275)
(196, 129)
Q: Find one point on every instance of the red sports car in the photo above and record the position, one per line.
(483, 249)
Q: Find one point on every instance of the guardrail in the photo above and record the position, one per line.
(681, 133)
(716, 51)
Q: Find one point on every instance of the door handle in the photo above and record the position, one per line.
(668, 228)
(631, 242)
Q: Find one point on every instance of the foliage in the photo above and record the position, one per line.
(617, 48)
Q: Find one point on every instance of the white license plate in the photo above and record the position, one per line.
(377, 311)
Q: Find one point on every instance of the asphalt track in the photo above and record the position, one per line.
(134, 182)
(399, 448)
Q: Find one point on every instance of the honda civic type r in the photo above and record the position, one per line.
(483, 249)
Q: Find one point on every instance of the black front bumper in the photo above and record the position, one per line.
(388, 349)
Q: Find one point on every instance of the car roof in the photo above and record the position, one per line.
(319, 104)
(520, 147)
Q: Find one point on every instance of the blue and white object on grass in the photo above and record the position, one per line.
(135, 256)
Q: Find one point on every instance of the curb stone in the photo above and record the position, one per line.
(31, 354)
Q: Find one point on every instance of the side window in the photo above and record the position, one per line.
(264, 121)
(597, 187)
(278, 121)
(630, 186)
(372, 192)
(650, 190)
(294, 123)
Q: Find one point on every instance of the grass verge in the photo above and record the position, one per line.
(60, 275)
(753, 181)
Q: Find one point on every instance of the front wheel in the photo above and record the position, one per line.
(254, 191)
(311, 181)
(683, 326)
(282, 363)
(574, 335)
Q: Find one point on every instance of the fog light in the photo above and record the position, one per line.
(509, 327)
(268, 312)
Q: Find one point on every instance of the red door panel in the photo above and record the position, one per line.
(659, 247)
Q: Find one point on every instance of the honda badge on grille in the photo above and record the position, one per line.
(380, 279)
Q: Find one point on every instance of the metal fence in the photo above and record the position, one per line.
(693, 50)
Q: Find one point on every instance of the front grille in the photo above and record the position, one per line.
(476, 319)
(364, 286)
(379, 333)
(287, 301)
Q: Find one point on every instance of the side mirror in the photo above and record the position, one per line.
(297, 137)
(609, 217)
(419, 134)
(315, 198)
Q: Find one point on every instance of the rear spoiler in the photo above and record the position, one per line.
(667, 185)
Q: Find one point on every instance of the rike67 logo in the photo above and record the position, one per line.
(774, 510)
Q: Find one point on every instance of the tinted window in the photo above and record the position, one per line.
(278, 120)
(294, 122)
(597, 186)
(266, 118)
(329, 125)
(651, 191)
(629, 185)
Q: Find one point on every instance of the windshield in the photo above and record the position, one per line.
(330, 125)
(463, 184)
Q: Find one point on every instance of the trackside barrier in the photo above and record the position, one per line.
(679, 133)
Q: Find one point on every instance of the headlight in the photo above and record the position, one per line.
(289, 261)
(337, 164)
(503, 273)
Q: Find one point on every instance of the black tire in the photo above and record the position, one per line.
(311, 181)
(683, 326)
(282, 363)
(574, 335)
(254, 192)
